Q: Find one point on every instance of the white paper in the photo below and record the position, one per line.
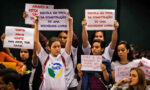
(91, 62)
(32, 10)
(53, 20)
(100, 19)
(18, 37)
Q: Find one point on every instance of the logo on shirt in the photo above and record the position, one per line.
(56, 70)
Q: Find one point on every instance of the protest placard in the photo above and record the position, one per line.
(100, 19)
(32, 10)
(91, 62)
(53, 20)
(18, 37)
(122, 71)
(146, 67)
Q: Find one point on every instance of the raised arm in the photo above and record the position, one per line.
(70, 36)
(85, 41)
(34, 57)
(114, 35)
(36, 36)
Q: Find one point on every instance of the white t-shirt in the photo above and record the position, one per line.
(69, 75)
(108, 52)
(54, 72)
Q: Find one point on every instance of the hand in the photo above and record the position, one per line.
(70, 19)
(24, 14)
(103, 67)
(123, 81)
(116, 24)
(3, 37)
(84, 22)
(140, 64)
(79, 67)
(21, 69)
(36, 19)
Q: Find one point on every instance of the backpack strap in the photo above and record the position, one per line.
(44, 68)
(46, 62)
(63, 60)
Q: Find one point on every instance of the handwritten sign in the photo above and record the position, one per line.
(32, 10)
(146, 67)
(91, 62)
(18, 37)
(122, 72)
(100, 19)
(53, 20)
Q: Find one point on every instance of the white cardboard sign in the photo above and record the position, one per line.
(100, 19)
(91, 62)
(146, 67)
(18, 37)
(53, 20)
(32, 10)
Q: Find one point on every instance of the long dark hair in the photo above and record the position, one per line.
(141, 85)
(115, 55)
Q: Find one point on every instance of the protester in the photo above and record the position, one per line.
(54, 63)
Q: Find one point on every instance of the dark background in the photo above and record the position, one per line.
(133, 16)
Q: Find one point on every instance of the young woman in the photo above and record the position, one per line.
(90, 81)
(26, 56)
(54, 63)
(99, 35)
(122, 56)
(136, 81)
(70, 69)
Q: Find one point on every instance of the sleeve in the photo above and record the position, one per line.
(87, 50)
(108, 52)
(8, 58)
(113, 66)
(42, 56)
(66, 57)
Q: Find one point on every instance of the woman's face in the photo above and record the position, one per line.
(99, 36)
(122, 51)
(62, 38)
(24, 54)
(133, 78)
(55, 48)
(96, 49)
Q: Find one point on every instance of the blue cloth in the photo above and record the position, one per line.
(86, 75)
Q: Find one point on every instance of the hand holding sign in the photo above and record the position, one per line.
(84, 22)
(70, 19)
(103, 67)
(24, 14)
(116, 24)
(3, 37)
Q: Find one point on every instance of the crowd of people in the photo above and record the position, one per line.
(52, 63)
